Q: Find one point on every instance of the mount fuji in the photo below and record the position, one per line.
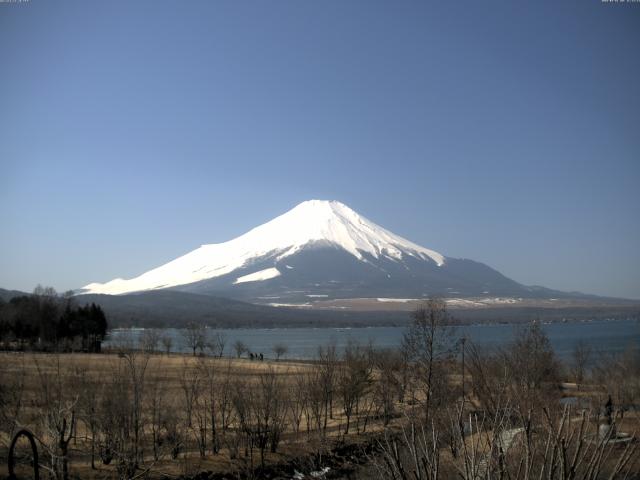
(321, 250)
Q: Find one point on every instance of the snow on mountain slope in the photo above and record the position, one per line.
(265, 274)
(309, 222)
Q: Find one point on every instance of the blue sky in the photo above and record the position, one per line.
(506, 132)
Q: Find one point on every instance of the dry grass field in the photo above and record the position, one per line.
(171, 389)
(131, 414)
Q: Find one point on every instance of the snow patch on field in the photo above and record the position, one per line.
(501, 300)
(290, 305)
(461, 302)
(397, 300)
(482, 302)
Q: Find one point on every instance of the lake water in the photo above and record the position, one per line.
(603, 336)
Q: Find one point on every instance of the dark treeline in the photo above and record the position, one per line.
(46, 320)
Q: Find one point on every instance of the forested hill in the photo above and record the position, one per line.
(7, 295)
(176, 309)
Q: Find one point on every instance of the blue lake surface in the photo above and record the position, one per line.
(603, 336)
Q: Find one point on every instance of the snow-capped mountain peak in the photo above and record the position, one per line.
(311, 222)
(334, 222)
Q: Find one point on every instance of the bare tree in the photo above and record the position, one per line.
(239, 348)
(216, 344)
(354, 380)
(297, 401)
(167, 342)
(280, 349)
(122, 422)
(155, 405)
(620, 375)
(316, 401)
(428, 343)
(224, 408)
(490, 377)
(243, 405)
(261, 412)
(114, 415)
(149, 340)
(58, 408)
(533, 370)
(561, 447)
(389, 386)
(210, 386)
(88, 409)
(135, 368)
(328, 363)
(190, 386)
(12, 389)
(272, 409)
(194, 335)
(174, 432)
(580, 360)
(202, 411)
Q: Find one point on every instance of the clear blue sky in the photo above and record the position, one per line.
(507, 132)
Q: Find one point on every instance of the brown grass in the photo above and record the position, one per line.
(33, 367)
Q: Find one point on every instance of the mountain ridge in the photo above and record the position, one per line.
(312, 221)
(321, 249)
